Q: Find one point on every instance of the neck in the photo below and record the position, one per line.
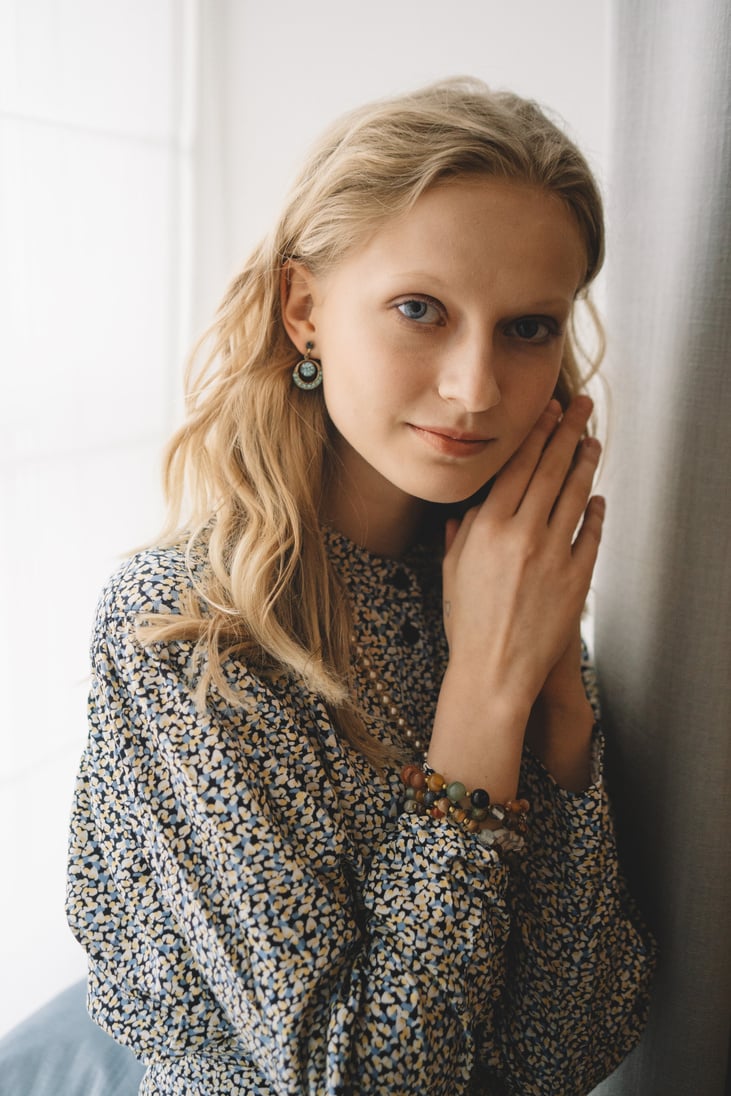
(386, 523)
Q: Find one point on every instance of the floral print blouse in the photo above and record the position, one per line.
(261, 918)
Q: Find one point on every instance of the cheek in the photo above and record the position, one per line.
(362, 362)
(528, 392)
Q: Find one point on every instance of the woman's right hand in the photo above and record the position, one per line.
(515, 582)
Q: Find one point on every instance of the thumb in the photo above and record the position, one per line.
(450, 532)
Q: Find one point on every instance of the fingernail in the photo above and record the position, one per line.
(592, 446)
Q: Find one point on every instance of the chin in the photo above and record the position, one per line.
(458, 502)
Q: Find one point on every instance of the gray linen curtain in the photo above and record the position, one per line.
(664, 580)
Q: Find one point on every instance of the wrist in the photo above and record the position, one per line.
(499, 825)
(478, 734)
(561, 735)
(470, 680)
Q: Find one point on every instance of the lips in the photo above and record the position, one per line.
(454, 443)
(448, 432)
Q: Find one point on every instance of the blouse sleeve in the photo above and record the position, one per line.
(212, 888)
(579, 959)
(238, 940)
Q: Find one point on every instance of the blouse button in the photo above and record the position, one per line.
(401, 580)
(409, 633)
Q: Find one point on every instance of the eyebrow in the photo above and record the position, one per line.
(548, 304)
(556, 303)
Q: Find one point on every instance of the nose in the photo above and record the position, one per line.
(470, 377)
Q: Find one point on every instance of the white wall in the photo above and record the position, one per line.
(90, 245)
(144, 147)
(292, 67)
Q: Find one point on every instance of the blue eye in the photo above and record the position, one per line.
(533, 329)
(420, 311)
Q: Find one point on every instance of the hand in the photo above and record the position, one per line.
(515, 582)
(515, 579)
(561, 721)
(563, 689)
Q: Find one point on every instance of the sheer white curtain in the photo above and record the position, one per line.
(664, 583)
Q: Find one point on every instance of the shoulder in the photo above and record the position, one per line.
(151, 581)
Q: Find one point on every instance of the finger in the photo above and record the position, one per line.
(555, 463)
(455, 533)
(576, 490)
(588, 539)
(451, 529)
(512, 482)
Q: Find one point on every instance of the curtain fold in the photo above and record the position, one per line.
(663, 584)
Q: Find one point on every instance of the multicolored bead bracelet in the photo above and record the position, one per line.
(427, 792)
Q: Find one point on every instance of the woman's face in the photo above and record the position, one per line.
(441, 338)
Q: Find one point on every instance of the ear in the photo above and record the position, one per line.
(296, 291)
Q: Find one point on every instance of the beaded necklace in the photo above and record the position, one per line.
(412, 738)
(427, 792)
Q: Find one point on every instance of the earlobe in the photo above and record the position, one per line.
(296, 293)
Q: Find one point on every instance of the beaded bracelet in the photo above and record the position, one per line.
(427, 792)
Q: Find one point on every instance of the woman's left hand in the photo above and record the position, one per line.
(564, 688)
(561, 721)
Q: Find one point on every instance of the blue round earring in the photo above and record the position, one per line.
(307, 373)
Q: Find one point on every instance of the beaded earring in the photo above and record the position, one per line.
(307, 373)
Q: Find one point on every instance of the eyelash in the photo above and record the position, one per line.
(552, 329)
(429, 302)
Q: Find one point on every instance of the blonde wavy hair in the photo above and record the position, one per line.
(244, 475)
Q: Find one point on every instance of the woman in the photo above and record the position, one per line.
(385, 465)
